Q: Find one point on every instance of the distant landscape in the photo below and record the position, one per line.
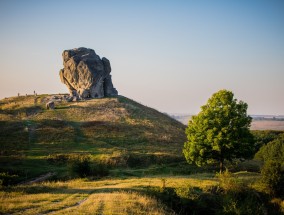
(259, 122)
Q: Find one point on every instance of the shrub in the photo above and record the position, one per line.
(237, 198)
(263, 137)
(228, 182)
(244, 201)
(273, 177)
(7, 179)
(81, 166)
(58, 159)
(100, 170)
(274, 150)
(117, 159)
(215, 200)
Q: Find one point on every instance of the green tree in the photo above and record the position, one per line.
(273, 177)
(272, 151)
(272, 171)
(219, 132)
(261, 138)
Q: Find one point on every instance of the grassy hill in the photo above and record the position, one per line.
(118, 132)
(139, 146)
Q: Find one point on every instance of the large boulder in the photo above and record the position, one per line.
(86, 75)
(50, 105)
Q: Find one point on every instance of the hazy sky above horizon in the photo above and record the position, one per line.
(169, 55)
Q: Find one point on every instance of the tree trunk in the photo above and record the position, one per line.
(221, 165)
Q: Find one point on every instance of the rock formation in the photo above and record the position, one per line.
(86, 75)
(50, 105)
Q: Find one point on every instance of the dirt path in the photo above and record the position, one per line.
(68, 207)
(101, 208)
(39, 179)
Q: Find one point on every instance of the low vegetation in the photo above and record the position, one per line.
(113, 132)
(194, 194)
(116, 156)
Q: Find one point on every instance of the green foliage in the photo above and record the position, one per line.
(244, 201)
(7, 179)
(219, 132)
(273, 151)
(58, 159)
(261, 138)
(99, 170)
(228, 182)
(120, 131)
(81, 166)
(273, 177)
(272, 172)
(213, 200)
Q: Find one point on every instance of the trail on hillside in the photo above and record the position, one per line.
(39, 179)
(31, 127)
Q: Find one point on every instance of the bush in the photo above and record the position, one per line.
(7, 179)
(81, 166)
(263, 137)
(236, 199)
(228, 182)
(273, 177)
(244, 201)
(58, 159)
(100, 170)
(274, 150)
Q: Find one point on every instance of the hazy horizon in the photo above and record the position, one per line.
(169, 55)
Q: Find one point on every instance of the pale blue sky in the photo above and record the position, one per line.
(170, 55)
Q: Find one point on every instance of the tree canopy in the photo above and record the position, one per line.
(219, 132)
(274, 151)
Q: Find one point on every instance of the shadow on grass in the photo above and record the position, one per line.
(26, 144)
(194, 200)
(64, 189)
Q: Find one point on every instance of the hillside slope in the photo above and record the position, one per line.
(116, 131)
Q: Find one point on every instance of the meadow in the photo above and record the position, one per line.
(114, 156)
(129, 195)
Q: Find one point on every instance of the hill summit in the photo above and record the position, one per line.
(116, 131)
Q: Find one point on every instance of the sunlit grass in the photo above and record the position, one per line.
(110, 196)
(107, 196)
(118, 203)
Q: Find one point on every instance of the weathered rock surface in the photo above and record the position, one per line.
(86, 75)
(50, 105)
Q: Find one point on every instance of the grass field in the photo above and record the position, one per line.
(134, 156)
(267, 125)
(107, 196)
(115, 131)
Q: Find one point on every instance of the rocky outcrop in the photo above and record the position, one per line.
(86, 75)
(50, 105)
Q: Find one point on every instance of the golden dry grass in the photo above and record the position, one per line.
(109, 196)
(117, 203)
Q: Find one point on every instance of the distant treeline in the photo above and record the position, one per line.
(268, 118)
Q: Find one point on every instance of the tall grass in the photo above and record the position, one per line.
(118, 196)
(119, 132)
